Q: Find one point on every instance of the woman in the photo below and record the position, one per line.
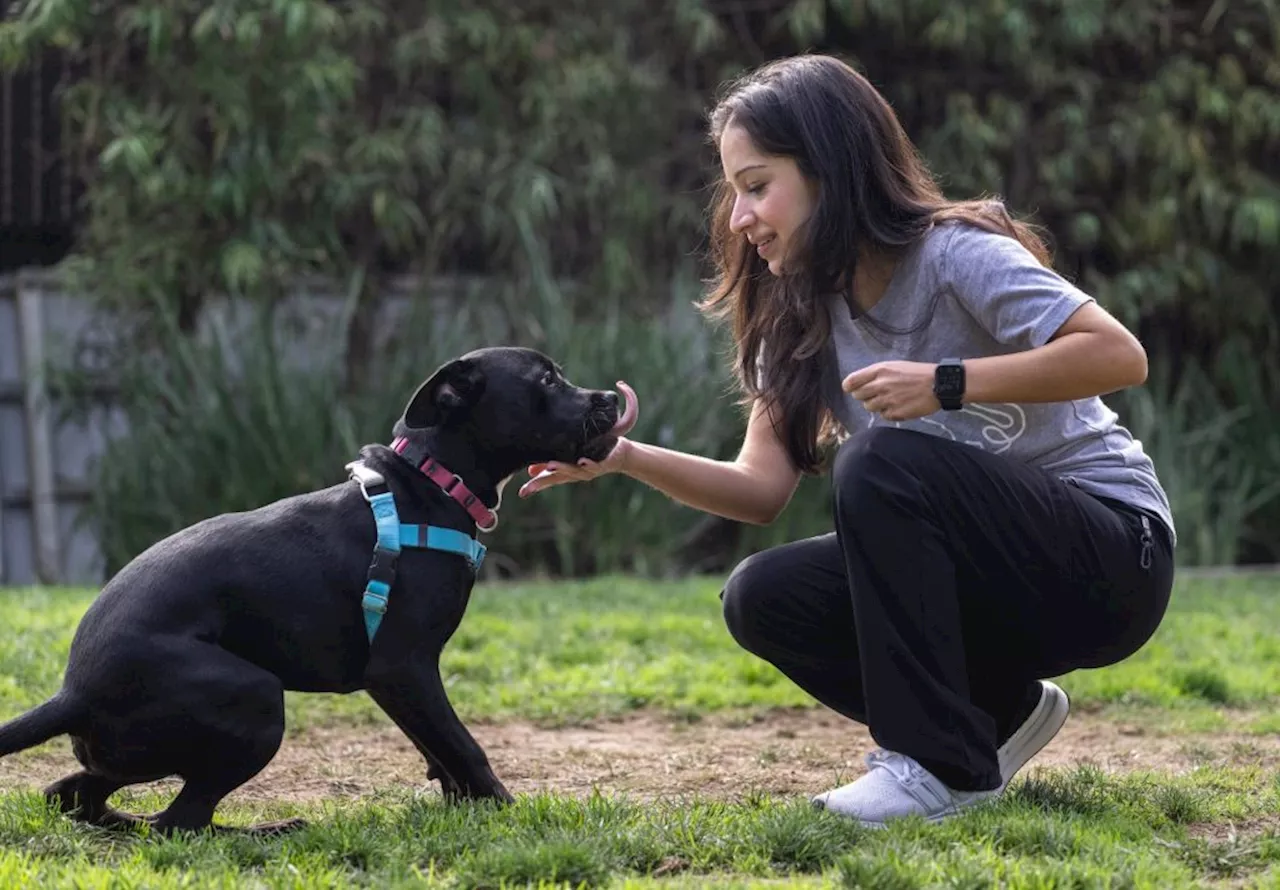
(994, 525)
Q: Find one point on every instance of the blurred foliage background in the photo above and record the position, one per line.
(454, 173)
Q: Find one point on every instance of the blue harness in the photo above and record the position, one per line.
(392, 536)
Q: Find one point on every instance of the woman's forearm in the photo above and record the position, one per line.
(729, 489)
(1075, 366)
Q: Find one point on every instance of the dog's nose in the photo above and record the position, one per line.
(607, 399)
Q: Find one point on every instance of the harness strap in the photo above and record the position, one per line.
(392, 536)
(450, 540)
(386, 552)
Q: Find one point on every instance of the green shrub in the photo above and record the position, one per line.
(228, 148)
(239, 417)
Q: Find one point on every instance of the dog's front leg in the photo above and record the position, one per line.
(448, 788)
(414, 697)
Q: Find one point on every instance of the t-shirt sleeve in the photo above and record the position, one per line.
(1018, 301)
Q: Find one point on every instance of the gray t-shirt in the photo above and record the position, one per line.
(963, 292)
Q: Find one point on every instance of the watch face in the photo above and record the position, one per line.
(950, 378)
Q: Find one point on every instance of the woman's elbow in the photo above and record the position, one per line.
(767, 512)
(1134, 363)
(1117, 360)
(762, 517)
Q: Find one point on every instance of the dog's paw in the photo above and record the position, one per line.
(495, 790)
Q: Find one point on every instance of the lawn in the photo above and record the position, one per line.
(568, 654)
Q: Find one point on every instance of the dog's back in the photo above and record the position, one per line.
(278, 586)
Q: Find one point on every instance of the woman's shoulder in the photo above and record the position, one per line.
(952, 252)
(931, 251)
(949, 235)
(954, 244)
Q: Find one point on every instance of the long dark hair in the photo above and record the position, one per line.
(874, 193)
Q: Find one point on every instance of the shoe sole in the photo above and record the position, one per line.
(933, 819)
(1048, 716)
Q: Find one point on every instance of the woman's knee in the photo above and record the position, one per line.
(862, 454)
(874, 458)
(745, 597)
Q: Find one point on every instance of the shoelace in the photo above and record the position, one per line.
(900, 766)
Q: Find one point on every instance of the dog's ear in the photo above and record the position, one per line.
(453, 388)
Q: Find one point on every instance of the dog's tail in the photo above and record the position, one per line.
(55, 717)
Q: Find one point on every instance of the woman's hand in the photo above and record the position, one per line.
(556, 473)
(895, 390)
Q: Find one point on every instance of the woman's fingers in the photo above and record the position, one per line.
(553, 474)
(545, 479)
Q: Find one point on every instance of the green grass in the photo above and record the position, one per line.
(564, 652)
(572, 651)
(1077, 829)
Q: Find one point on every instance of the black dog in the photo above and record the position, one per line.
(180, 665)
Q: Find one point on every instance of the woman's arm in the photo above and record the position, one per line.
(1091, 354)
(754, 488)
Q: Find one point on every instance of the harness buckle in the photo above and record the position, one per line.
(364, 477)
(429, 467)
(374, 602)
(383, 566)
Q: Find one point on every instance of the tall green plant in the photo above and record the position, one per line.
(1217, 479)
(215, 424)
(251, 409)
(230, 147)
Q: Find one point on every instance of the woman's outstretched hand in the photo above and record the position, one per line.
(556, 473)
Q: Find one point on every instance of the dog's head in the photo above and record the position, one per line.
(511, 407)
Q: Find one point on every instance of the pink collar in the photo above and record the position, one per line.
(453, 486)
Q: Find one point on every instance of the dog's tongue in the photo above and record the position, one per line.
(629, 414)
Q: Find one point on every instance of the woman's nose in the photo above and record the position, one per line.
(740, 218)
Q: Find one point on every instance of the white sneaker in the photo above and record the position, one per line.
(896, 786)
(1041, 725)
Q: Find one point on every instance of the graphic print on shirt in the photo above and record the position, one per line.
(1002, 425)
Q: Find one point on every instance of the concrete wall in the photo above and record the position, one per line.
(43, 458)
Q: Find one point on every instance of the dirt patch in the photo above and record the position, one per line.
(646, 756)
(1233, 834)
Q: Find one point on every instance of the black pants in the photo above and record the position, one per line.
(955, 580)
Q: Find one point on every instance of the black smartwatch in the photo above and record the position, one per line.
(948, 383)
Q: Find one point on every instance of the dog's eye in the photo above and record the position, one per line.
(548, 379)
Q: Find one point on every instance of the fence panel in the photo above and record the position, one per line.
(44, 459)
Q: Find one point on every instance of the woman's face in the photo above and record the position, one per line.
(772, 198)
